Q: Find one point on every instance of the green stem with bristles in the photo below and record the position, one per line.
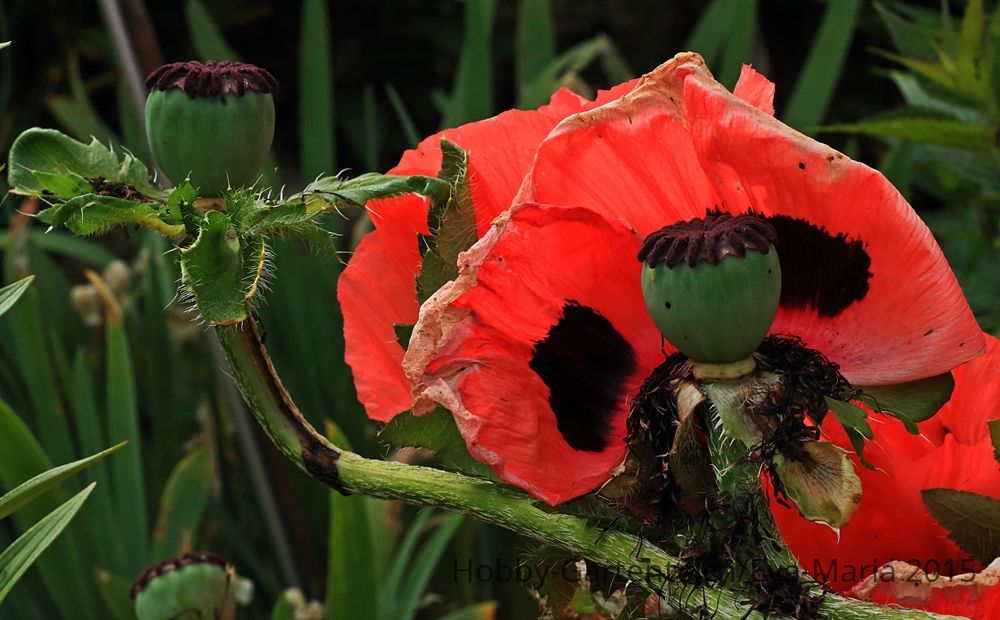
(493, 503)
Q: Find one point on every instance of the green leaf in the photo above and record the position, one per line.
(994, 426)
(114, 591)
(851, 416)
(546, 81)
(352, 579)
(184, 194)
(821, 72)
(738, 44)
(534, 41)
(12, 292)
(418, 574)
(316, 105)
(205, 35)
(334, 192)
(434, 431)
(222, 271)
(405, 120)
(711, 31)
(911, 402)
(452, 224)
(479, 611)
(36, 486)
(93, 214)
(909, 37)
(182, 504)
(127, 471)
(472, 97)
(936, 131)
(403, 333)
(16, 558)
(972, 520)
(46, 160)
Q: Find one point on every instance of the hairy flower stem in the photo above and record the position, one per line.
(347, 472)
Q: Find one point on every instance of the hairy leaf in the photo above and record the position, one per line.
(972, 520)
(911, 402)
(92, 214)
(434, 431)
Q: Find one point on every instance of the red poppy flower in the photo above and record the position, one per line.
(892, 523)
(377, 288)
(539, 344)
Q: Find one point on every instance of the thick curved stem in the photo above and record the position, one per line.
(347, 472)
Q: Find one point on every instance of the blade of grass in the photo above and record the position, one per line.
(205, 35)
(127, 469)
(89, 424)
(824, 64)
(19, 556)
(24, 458)
(419, 573)
(316, 111)
(351, 579)
(393, 582)
(45, 481)
(35, 362)
(12, 292)
(739, 42)
(182, 504)
(534, 41)
(480, 611)
(405, 120)
(711, 31)
(472, 96)
(66, 245)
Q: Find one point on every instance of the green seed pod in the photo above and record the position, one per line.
(214, 121)
(192, 586)
(712, 285)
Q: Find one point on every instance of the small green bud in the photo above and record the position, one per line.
(195, 585)
(214, 121)
(712, 285)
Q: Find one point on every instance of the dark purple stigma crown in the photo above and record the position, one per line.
(212, 79)
(707, 239)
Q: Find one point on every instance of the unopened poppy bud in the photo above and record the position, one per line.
(197, 584)
(712, 285)
(214, 121)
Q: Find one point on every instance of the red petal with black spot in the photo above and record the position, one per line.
(377, 288)
(892, 522)
(864, 282)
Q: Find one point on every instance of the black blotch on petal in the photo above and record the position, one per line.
(585, 362)
(819, 270)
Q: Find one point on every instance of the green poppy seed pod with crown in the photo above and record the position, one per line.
(213, 121)
(712, 285)
(192, 586)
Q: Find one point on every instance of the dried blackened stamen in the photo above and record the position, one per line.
(212, 79)
(707, 239)
(175, 563)
(652, 418)
(807, 375)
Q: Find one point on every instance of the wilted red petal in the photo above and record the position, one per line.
(892, 522)
(551, 421)
(377, 287)
(863, 280)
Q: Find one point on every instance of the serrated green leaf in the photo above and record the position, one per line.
(434, 273)
(994, 426)
(16, 558)
(972, 520)
(184, 194)
(182, 504)
(942, 132)
(12, 292)
(910, 402)
(850, 416)
(434, 431)
(268, 220)
(46, 159)
(222, 271)
(47, 480)
(92, 214)
(334, 192)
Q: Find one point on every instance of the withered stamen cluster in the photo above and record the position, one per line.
(212, 79)
(175, 563)
(707, 239)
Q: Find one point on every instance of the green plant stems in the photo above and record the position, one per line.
(350, 473)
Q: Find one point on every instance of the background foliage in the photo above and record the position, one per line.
(89, 360)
